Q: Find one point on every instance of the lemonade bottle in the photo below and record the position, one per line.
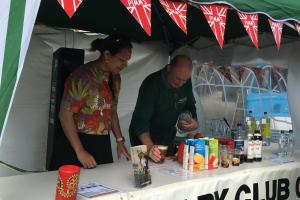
(266, 129)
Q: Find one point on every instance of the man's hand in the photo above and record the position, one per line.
(154, 154)
(121, 149)
(190, 126)
(86, 159)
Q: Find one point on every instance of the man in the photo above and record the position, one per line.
(163, 95)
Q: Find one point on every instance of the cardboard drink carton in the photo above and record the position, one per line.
(213, 153)
(199, 155)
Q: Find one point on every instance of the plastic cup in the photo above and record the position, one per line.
(225, 157)
(163, 152)
(67, 182)
(236, 158)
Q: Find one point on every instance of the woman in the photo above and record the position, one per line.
(88, 109)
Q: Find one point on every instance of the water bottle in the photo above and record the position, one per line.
(250, 122)
(239, 142)
(281, 144)
(257, 126)
(266, 129)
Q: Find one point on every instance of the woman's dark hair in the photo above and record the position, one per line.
(112, 43)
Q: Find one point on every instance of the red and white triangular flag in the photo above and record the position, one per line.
(141, 11)
(70, 6)
(250, 22)
(277, 31)
(177, 11)
(216, 18)
(297, 27)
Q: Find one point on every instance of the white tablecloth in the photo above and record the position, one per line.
(169, 181)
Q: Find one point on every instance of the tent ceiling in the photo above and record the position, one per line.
(112, 17)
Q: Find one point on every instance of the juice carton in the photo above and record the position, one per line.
(206, 139)
(199, 155)
(191, 154)
(185, 157)
(213, 153)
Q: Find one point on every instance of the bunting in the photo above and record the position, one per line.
(177, 11)
(226, 73)
(250, 22)
(70, 6)
(277, 31)
(239, 72)
(216, 18)
(297, 27)
(141, 11)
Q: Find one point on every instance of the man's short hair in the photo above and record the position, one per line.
(177, 58)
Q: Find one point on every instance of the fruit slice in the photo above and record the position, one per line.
(199, 159)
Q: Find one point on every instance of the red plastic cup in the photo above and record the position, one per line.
(67, 182)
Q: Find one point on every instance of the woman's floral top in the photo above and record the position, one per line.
(88, 95)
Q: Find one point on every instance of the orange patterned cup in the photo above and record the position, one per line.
(67, 182)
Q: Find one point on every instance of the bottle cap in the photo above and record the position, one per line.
(257, 132)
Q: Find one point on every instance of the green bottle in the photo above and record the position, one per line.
(266, 129)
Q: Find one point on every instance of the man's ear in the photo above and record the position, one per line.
(106, 54)
(168, 67)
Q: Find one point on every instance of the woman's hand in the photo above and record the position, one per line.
(86, 159)
(121, 149)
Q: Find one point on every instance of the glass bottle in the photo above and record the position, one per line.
(250, 148)
(257, 145)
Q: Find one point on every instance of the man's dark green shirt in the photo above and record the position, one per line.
(158, 107)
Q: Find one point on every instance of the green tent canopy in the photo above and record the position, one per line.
(112, 17)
